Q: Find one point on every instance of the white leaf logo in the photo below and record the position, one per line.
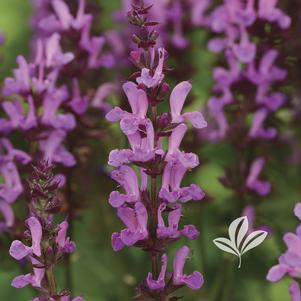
(239, 242)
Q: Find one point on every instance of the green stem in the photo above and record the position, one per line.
(51, 281)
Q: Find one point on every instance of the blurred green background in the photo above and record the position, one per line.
(100, 274)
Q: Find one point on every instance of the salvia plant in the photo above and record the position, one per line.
(47, 99)
(56, 107)
(149, 174)
(45, 242)
(247, 91)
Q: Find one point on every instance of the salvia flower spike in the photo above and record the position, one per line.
(246, 97)
(150, 175)
(45, 243)
(44, 99)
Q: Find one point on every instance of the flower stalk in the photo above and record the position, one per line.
(145, 206)
(246, 101)
(49, 241)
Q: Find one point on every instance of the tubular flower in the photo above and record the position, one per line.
(194, 281)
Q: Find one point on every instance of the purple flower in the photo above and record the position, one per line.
(297, 211)
(54, 57)
(54, 151)
(127, 178)
(245, 51)
(63, 242)
(129, 122)
(198, 11)
(8, 215)
(94, 48)
(257, 130)
(33, 279)
(137, 99)
(177, 99)
(63, 20)
(268, 11)
(253, 182)
(151, 81)
(216, 109)
(136, 222)
(18, 250)
(171, 191)
(12, 186)
(171, 231)
(176, 13)
(194, 280)
(295, 291)
(21, 81)
(51, 117)
(17, 117)
(174, 155)
(266, 71)
(142, 147)
(79, 104)
(119, 157)
(159, 283)
(289, 263)
(101, 94)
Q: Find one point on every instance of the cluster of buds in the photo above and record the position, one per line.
(173, 17)
(45, 243)
(151, 175)
(290, 262)
(138, 17)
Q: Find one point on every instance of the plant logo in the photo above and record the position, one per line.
(240, 241)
